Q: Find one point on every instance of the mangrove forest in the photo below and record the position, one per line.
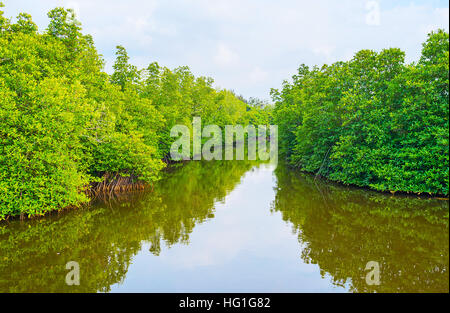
(353, 198)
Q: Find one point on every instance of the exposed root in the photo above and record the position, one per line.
(113, 183)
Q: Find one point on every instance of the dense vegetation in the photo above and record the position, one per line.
(65, 124)
(372, 121)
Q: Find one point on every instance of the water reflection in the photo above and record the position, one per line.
(103, 240)
(228, 226)
(341, 229)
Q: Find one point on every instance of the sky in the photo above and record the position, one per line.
(248, 46)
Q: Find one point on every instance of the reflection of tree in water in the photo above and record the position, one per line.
(104, 239)
(344, 228)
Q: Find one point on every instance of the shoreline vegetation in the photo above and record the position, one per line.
(373, 121)
(331, 226)
(112, 194)
(69, 130)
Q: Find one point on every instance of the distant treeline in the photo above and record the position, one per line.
(373, 121)
(66, 125)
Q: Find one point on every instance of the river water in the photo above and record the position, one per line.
(234, 227)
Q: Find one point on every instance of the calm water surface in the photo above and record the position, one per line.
(233, 227)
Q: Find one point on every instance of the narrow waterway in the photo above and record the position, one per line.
(234, 227)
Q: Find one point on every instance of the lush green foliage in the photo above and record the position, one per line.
(65, 123)
(372, 121)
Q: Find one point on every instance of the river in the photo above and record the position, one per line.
(234, 227)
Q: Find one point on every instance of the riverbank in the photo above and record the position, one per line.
(66, 127)
(115, 194)
(209, 225)
(418, 195)
(372, 121)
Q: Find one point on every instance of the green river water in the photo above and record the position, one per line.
(233, 227)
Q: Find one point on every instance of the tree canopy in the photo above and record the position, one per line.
(65, 124)
(372, 121)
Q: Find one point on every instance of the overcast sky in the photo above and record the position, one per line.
(249, 46)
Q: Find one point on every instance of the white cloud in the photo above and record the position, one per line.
(324, 49)
(139, 23)
(225, 57)
(75, 6)
(440, 16)
(249, 46)
(258, 75)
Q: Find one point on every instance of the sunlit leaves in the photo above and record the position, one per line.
(372, 121)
